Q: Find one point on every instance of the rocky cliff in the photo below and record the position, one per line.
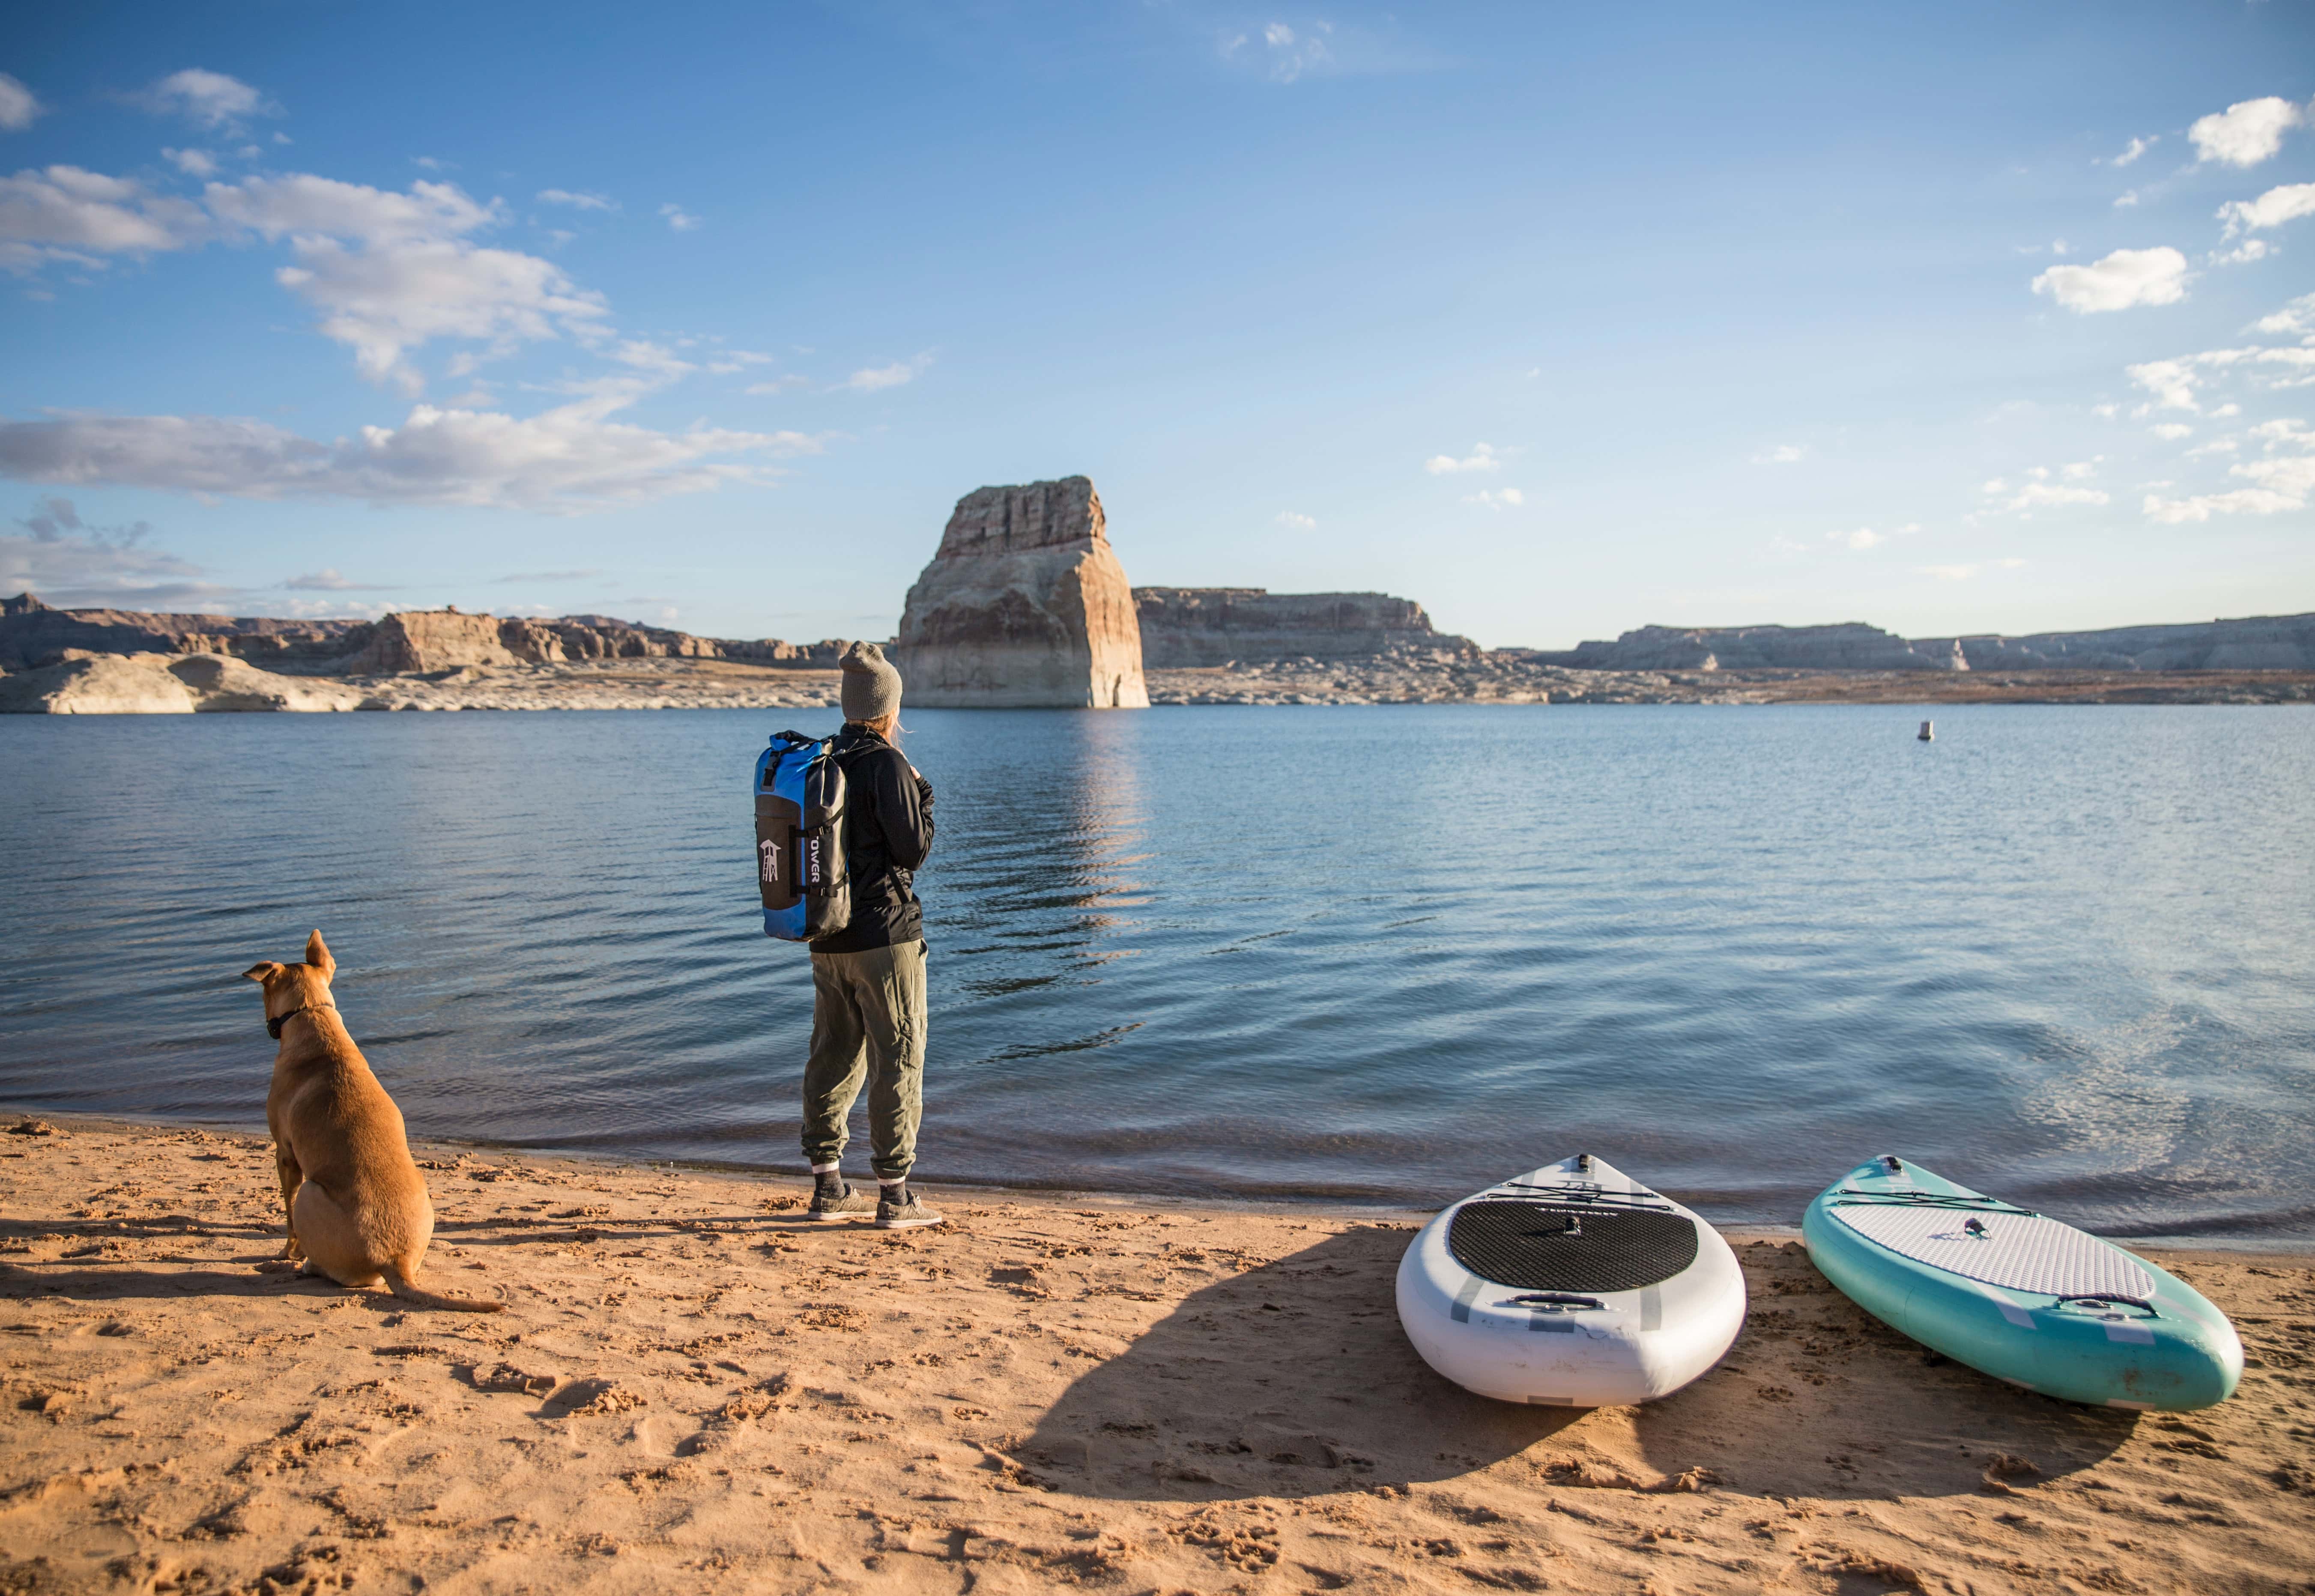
(404, 642)
(1025, 605)
(1188, 627)
(2254, 642)
(1850, 646)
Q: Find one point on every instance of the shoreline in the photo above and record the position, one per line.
(150, 684)
(692, 1389)
(1268, 1205)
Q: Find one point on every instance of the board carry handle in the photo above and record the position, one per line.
(1561, 1299)
(2104, 1298)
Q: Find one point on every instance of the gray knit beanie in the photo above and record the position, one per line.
(872, 687)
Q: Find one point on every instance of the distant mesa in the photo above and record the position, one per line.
(1023, 606)
(2256, 643)
(1190, 627)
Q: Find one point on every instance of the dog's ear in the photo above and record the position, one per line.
(261, 973)
(317, 954)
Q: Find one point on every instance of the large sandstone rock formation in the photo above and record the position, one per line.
(1184, 627)
(1025, 606)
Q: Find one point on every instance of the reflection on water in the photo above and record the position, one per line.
(1369, 953)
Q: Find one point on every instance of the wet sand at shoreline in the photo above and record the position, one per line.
(693, 1389)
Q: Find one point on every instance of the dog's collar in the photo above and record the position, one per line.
(274, 1022)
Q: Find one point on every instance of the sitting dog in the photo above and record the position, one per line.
(357, 1205)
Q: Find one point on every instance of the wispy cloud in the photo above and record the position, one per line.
(576, 199)
(2285, 203)
(18, 104)
(1294, 521)
(679, 218)
(1783, 454)
(2135, 148)
(1482, 457)
(567, 460)
(875, 379)
(1496, 499)
(328, 580)
(207, 99)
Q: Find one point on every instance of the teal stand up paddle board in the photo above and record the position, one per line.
(2017, 1294)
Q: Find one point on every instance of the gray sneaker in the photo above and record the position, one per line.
(900, 1209)
(837, 1200)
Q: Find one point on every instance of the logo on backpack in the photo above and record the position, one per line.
(771, 853)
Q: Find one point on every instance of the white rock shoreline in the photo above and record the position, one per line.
(208, 683)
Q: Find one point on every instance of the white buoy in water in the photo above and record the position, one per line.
(1928, 732)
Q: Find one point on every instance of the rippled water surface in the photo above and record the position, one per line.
(2062, 953)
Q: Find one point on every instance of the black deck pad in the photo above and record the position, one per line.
(1530, 1246)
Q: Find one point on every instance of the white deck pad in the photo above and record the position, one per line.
(2023, 1252)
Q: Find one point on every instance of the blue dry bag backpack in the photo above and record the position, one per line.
(800, 838)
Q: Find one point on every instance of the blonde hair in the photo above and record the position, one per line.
(886, 725)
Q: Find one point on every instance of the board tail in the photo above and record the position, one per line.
(409, 1291)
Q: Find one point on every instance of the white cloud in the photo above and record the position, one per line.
(1294, 521)
(389, 273)
(2296, 317)
(779, 385)
(679, 218)
(578, 200)
(63, 213)
(18, 104)
(2171, 431)
(2245, 133)
(302, 203)
(2285, 203)
(2283, 483)
(1482, 457)
(193, 163)
(2243, 254)
(1783, 454)
(875, 380)
(1496, 499)
(2046, 489)
(1949, 572)
(569, 459)
(1863, 537)
(385, 301)
(211, 99)
(2138, 147)
(2120, 280)
(2126, 199)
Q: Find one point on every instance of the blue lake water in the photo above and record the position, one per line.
(1384, 953)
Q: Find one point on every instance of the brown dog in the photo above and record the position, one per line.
(357, 1205)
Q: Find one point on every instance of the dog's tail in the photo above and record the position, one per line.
(409, 1291)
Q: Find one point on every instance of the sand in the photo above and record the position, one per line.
(692, 1390)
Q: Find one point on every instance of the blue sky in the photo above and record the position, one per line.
(1560, 319)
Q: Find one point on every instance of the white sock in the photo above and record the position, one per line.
(888, 1184)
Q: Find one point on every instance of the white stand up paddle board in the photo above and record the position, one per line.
(1572, 1286)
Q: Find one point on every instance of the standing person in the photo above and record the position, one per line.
(868, 979)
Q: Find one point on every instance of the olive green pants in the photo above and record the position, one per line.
(868, 1024)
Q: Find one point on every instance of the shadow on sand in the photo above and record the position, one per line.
(1294, 1379)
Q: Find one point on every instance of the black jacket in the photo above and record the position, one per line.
(889, 821)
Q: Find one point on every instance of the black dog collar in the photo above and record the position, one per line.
(273, 1024)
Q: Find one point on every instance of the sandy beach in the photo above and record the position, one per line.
(691, 1390)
